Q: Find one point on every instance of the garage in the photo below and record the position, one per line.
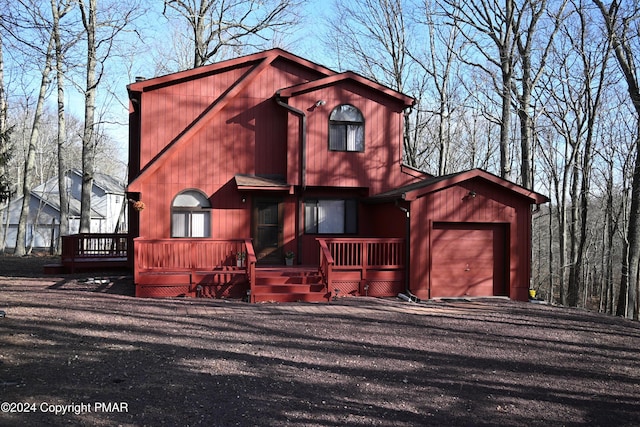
(469, 235)
(468, 259)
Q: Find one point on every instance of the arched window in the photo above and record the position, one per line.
(191, 215)
(346, 129)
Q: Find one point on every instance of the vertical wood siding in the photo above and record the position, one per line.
(377, 168)
(248, 136)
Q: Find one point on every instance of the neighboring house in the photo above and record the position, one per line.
(43, 226)
(275, 154)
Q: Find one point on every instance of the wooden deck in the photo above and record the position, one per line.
(209, 268)
(216, 268)
(91, 251)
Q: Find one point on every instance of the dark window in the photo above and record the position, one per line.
(346, 129)
(331, 216)
(191, 215)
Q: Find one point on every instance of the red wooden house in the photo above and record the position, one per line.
(237, 164)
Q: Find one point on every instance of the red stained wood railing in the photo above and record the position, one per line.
(326, 263)
(251, 268)
(362, 254)
(175, 255)
(94, 249)
(94, 245)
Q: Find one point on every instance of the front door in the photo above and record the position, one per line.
(267, 230)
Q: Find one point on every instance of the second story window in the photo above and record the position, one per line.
(191, 215)
(346, 129)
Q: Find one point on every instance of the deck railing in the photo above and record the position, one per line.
(326, 263)
(94, 250)
(94, 245)
(367, 252)
(360, 254)
(175, 255)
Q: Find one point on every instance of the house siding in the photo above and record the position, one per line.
(248, 136)
(377, 168)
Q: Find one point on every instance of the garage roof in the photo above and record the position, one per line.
(413, 191)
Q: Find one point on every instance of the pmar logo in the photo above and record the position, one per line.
(111, 407)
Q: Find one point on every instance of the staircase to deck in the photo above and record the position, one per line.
(289, 284)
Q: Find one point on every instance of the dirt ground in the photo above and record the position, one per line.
(82, 346)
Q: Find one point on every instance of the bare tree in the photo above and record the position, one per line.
(101, 34)
(438, 61)
(58, 11)
(372, 36)
(26, 24)
(89, 21)
(622, 23)
(528, 24)
(218, 24)
(5, 133)
(594, 57)
(5, 151)
(489, 27)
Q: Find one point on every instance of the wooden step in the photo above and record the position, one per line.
(289, 284)
(284, 288)
(291, 297)
(289, 280)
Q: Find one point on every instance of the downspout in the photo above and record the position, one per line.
(407, 296)
(303, 161)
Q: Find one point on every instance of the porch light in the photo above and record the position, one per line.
(244, 199)
(320, 102)
(472, 194)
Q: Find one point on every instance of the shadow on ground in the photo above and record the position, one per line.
(352, 362)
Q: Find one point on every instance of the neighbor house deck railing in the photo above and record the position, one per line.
(363, 254)
(94, 249)
(94, 245)
(193, 255)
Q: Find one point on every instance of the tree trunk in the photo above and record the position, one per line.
(627, 304)
(574, 283)
(88, 138)
(5, 191)
(620, 31)
(505, 122)
(31, 154)
(62, 131)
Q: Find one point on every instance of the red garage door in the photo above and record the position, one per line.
(467, 260)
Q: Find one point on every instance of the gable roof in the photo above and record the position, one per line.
(48, 192)
(413, 191)
(342, 77)
(206, 70)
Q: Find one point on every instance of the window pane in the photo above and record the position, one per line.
(200, 224)
(359, 143)
(346, 113)
(331, 216)
(337, 137)
(191, 199)
(179, 225)
(355, 138)
(311, 216)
